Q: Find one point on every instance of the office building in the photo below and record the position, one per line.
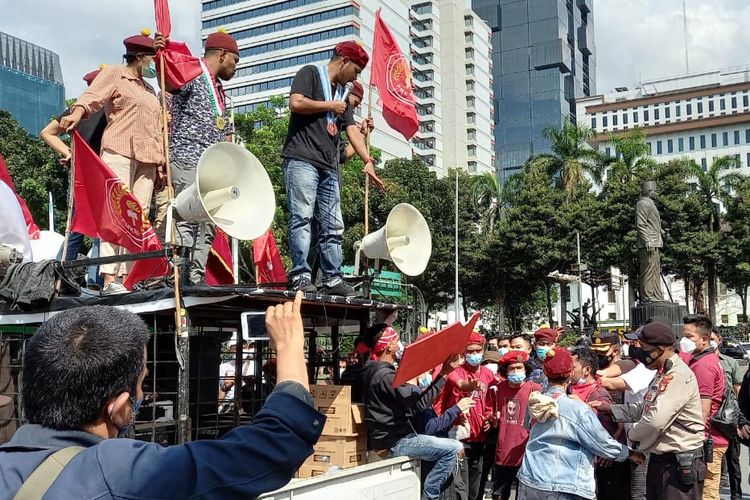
(700, 116)
(277, 38)
(31, 84)
(543, 58)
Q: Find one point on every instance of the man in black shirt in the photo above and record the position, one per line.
(311, 154)
(91, 131)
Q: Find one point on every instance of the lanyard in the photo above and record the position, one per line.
(326, 84)
(216, 103)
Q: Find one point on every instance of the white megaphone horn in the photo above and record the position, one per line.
(405, 240)
(232, 189)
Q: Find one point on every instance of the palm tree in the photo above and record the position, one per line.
(572, 159)
(633, 156)
(486, 196)
(715, 185)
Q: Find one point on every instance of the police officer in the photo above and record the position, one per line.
(668, 424)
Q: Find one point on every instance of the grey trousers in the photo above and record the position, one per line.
(188, 234)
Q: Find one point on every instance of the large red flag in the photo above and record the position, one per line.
(268, 260)
(391, 74)
(30, 224)
(163, 22)
(219, 265)
(106, 209)
(180, 66)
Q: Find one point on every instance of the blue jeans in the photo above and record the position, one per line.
(442, 451)
(75, 240)
(313, 193)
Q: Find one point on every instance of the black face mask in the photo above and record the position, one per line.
(644, 356)
(604, 361)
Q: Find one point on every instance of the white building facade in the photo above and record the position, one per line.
(276, 38)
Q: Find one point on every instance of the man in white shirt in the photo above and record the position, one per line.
(227, 373)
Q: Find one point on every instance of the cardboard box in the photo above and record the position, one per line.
(341, 451)
(343, 420)
(306, 471)
(331, 395)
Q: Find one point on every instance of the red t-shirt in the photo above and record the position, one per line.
(710, 377)
(451, 395)
(511, 434)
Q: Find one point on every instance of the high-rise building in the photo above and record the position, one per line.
(31, 84)
(277, 38)
(543, 58)
(700, 116)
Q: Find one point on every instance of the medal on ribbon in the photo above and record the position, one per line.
(325, 82)
(217, 105)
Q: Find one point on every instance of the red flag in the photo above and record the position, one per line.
(163, 23)
(391, 74)
(106, 209)
(30, 224)
(219, 265)
(268, 260)
(180, 66)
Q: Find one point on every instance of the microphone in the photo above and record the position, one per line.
(347, 90)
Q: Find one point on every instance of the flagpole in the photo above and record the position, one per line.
(367, 177)
(71, 191)
(170, 192)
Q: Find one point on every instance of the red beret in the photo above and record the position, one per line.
(139, 44)
(354, 52)
(357, 90)
(514, 357)
(546, 334)
(476, 338)
(222, 41)
(558, 363)
(89, 77)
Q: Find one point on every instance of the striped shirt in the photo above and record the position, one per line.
(133, 114)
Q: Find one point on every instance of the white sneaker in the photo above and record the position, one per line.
(114, 288)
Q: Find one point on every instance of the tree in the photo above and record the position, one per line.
(487, 199)
(572, 159)
(632, 156)
(734, 266)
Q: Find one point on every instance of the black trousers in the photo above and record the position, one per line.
(474, 459)
(638, 480)
(663, 479)
(488, 458)
(732, 467)
(503, 478)
(613, 482)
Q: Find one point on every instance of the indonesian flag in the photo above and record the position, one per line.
(31, 226)
(391, 74)
(106, 209)
(219, 265)
(267, 259)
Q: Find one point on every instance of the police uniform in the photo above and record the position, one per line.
(668, 425)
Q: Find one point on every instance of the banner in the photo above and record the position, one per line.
(267, 259)
(219, 265)
(391, 74)
(31, 226)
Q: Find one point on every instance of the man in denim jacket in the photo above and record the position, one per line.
(563, 440)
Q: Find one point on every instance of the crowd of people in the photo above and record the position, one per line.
(634, 416)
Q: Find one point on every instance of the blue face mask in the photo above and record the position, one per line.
(123, 431)
(502, 351)
(425, 381)
(541, 352)
(516, 377)
(150, 71)
(474, 359)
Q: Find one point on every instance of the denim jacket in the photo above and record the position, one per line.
(560, 452)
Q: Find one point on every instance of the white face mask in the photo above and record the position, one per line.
(713, 344)
(687, 346)
(492, 367)
(581, 381)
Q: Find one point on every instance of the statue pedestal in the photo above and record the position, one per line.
(667, 312)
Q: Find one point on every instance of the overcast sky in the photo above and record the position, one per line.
(635, 39)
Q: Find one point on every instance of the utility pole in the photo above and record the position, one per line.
(684, 28)
(456, 236)
(580, 284)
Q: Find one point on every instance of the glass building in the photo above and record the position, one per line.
(31, 84)
(543, 59)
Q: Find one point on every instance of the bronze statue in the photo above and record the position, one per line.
(648, 225)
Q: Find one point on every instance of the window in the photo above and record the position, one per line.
(468, 37)
(691, 143)
(747, 136)
(468, 21)
(604, 121)
(593, 123)
(703, 164)
(423, 8)
(678, 110)
(650, 148)
(469, 53)
(470, 69)
(722, 104)
(635, 116)
(736, 137)
(670, 146)
(747, 161)
(667, 111)
(713, 140)
(680, 144)
(471, 118)
(614, 119)
(471, 134)
(737, 161)
(703, 141)
(293, 23)
(608, 151)
(469, 85)
(700, 107)
(611, 296)
(252, 13)
(725, 138)
(612, 316)
(297, 41)
(724, 319)
(658, 147)
(645, 115)
(745, 100)
(471, 150)
(470, 102)
(689, 109)
(625, 118)
(472, 167)
(284, 63)
(656, 113)
(710, 105)
(734, 103)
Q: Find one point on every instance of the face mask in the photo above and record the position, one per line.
(425, 381)
(625, 349)
(604, 361)
(400, 351)
(541, 352)
(644, 356)
(491, 367)
(503, 351)
(687, 346)
(149, 71)
(474, 359)
(516, 377)
(123, 431)
(713, 344)
(581, 381)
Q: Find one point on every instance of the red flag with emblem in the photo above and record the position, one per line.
(391, 74)
(106, 209)
(219, 266)
(31, 226)
(267, 259)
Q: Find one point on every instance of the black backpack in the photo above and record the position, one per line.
(728, 416)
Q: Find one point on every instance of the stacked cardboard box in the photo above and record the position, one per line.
(343, 443)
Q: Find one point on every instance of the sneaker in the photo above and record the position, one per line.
(342, 289)
(304, 284)
(114, 288)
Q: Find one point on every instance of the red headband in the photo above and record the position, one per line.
(388, 336)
